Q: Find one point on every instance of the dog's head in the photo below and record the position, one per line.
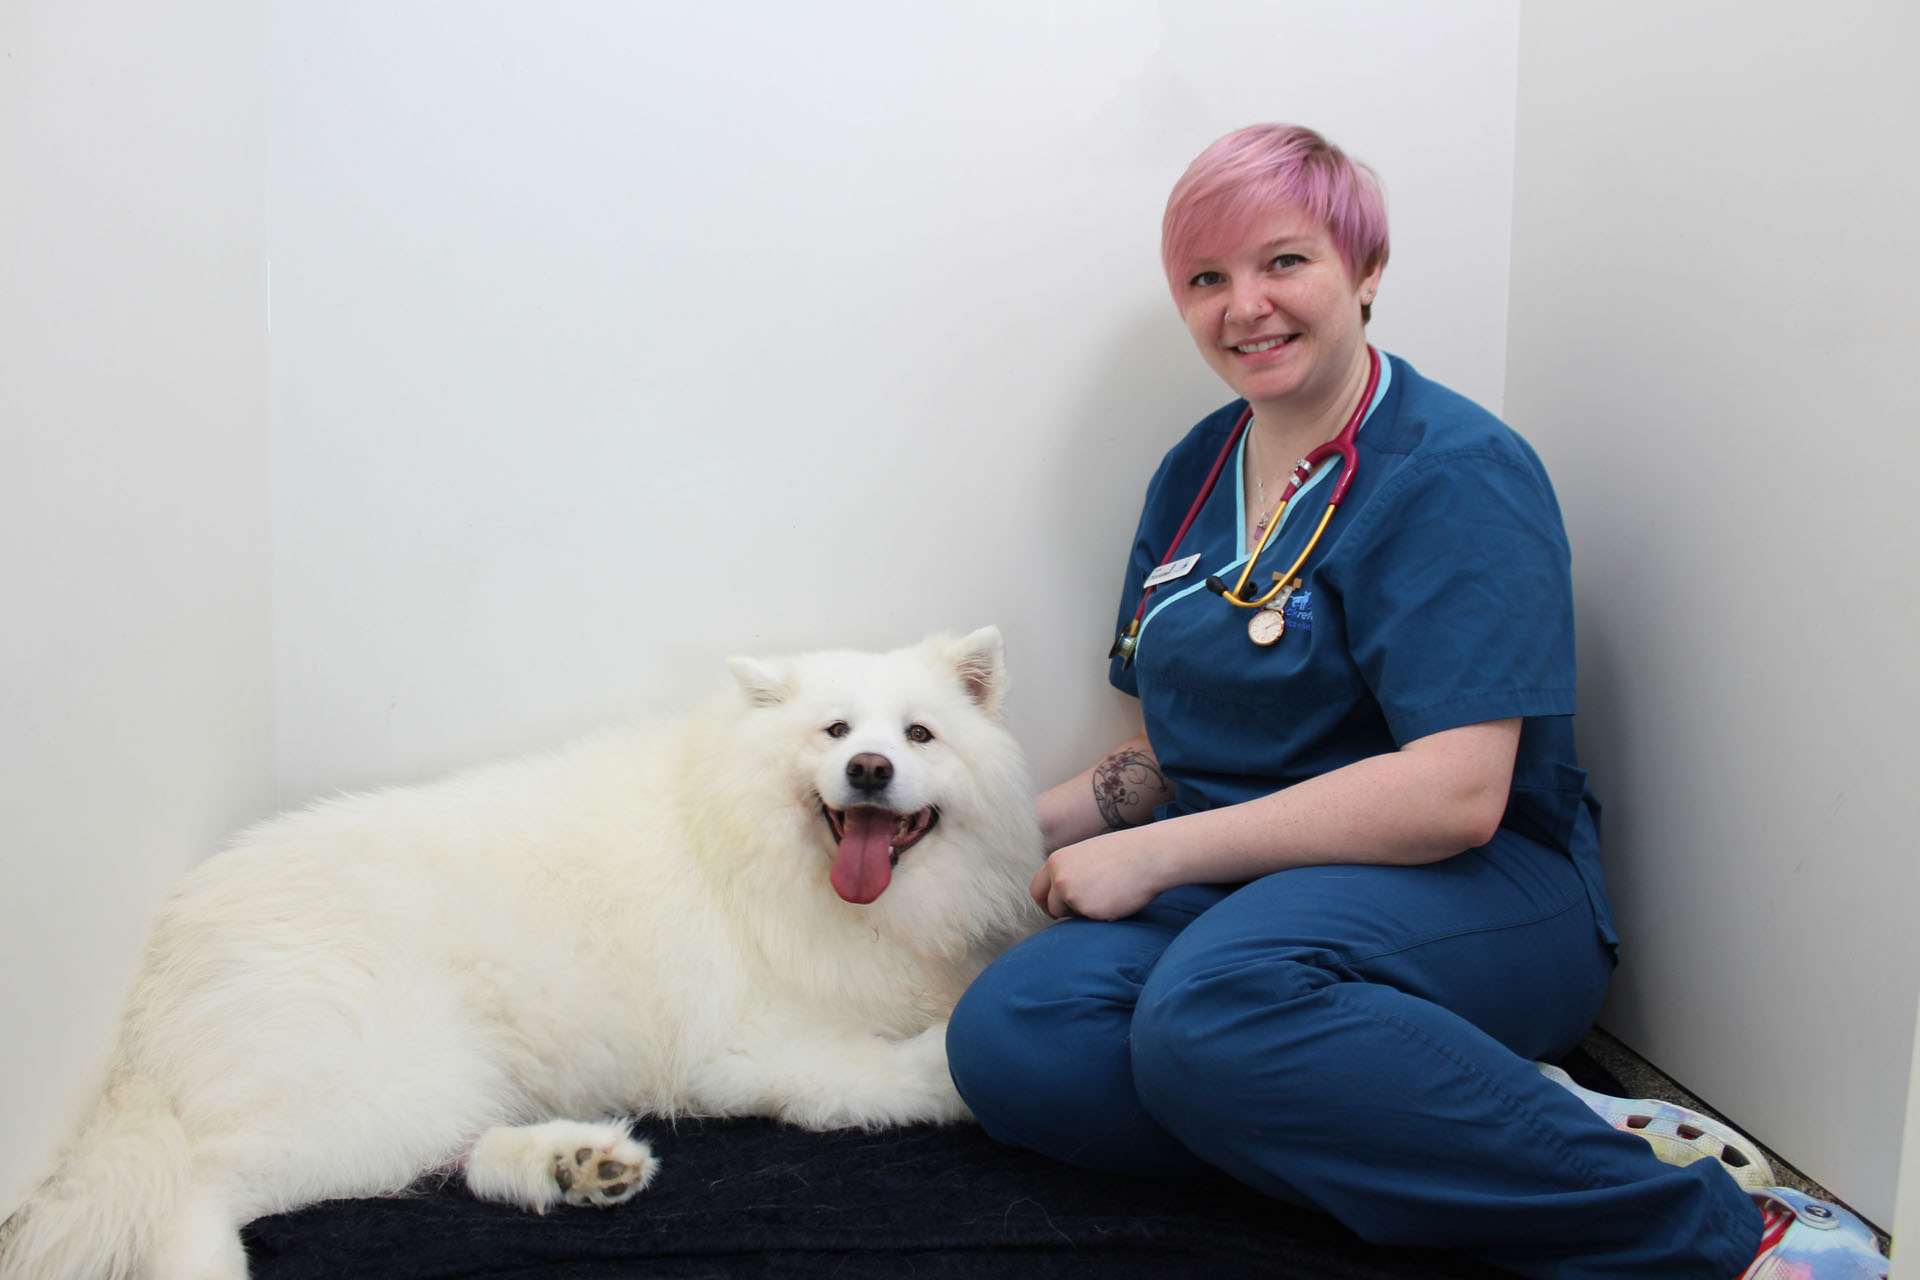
(891, 748)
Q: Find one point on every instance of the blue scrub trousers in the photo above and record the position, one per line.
(1354, 1039)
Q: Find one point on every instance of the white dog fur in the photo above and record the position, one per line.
(489, 971)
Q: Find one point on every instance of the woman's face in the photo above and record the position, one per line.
(1277, 316)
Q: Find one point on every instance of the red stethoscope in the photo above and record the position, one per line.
(1269, 621)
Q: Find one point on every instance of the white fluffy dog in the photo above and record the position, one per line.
(768, 907)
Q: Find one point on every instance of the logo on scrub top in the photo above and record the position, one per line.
(1299, 611)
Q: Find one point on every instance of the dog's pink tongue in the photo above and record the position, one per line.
(864, 864)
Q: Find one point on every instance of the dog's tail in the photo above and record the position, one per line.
(118, 1189)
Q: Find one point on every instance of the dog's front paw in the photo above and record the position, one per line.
(608, 1174)
(537, 1166)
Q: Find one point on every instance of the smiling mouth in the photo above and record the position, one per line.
(1264, 344)
(867, 820)
(868, 842)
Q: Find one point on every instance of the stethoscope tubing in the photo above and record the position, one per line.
(1341, 445)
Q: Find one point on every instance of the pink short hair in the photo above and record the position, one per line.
(1263, 167)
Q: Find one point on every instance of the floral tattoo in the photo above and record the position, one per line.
(1126, 786)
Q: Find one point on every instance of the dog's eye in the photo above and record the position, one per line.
(839, 729)
(919, 733)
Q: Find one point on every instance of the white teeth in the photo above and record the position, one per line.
(1254, 348)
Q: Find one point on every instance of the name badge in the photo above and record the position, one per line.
(1173, 569)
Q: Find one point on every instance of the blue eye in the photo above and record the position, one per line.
(1205, 280)
(1286, 260)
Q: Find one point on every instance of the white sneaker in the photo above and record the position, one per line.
(1808, 1239)
(1678, 1136)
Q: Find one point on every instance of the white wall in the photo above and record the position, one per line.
(134, 616)
(1905, 1222)
(613, 338)
(1712, 338)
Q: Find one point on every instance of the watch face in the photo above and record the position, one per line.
(1266, 626)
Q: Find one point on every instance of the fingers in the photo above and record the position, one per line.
(1047, 893)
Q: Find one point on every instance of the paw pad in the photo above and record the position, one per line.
(602, 1176)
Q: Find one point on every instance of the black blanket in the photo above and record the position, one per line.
(749, 1198)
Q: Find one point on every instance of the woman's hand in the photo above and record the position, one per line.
(1104, 878)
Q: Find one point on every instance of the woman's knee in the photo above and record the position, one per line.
(1031, 1030)
(990, 1032)
(1205, 1020)
(1038, 1050)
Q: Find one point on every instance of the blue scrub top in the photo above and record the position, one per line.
(1440, 595)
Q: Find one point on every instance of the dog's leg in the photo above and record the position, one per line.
(910, 1085)
(537, 1166)
(837, 1080)
(204, 1241)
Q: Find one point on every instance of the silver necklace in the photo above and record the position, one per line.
(1260, 487)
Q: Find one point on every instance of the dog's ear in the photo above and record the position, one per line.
(763, 685)
(980, 660)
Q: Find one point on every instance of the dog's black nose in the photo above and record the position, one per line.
(869, 771)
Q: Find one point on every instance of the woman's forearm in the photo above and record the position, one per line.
(1435, 798)
(1121, 791)
(1431, 799)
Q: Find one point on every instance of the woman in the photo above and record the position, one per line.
(1343, 889)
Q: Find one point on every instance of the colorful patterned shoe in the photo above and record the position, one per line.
(1678, 1136)
(1808, 1239)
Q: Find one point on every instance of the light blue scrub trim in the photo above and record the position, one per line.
(1240, 507)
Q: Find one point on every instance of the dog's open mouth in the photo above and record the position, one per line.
(870, 841)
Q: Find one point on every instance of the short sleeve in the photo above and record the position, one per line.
(1459, 599)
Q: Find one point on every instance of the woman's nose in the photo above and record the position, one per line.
(1245, 303)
